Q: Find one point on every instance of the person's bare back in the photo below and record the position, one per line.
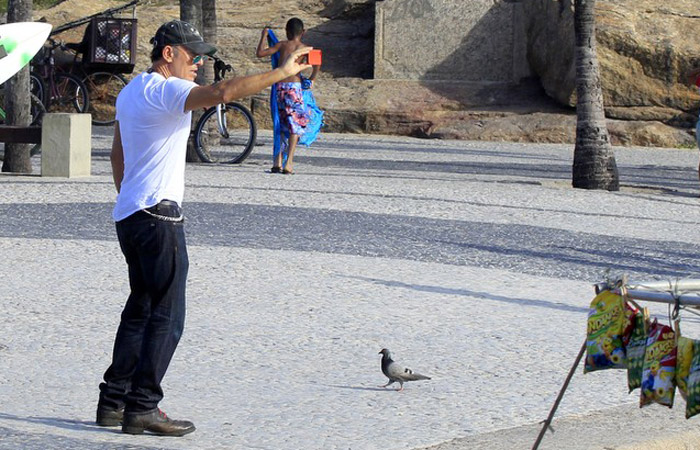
(286, 48)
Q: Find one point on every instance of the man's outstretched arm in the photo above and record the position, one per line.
(235, 88)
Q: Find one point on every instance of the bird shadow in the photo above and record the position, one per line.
(361, 388)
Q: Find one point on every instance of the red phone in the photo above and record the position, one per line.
(314, 57)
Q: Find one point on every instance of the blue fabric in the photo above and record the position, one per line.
(276, 125)
(316, 120)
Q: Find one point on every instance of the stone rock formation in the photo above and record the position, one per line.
(645, 46)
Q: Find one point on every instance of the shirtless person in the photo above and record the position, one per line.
(694, 80)
(294, 115)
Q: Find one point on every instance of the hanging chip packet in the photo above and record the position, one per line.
(692, 406)
(634, 351)
(684, 362)
(609, 327)
(658, 372)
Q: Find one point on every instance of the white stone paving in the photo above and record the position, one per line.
(280, 347)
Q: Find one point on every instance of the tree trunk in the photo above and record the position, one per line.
(17, 102)
(191, 11)
(594, 161)
(209, 29)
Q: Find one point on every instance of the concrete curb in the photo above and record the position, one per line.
(651, 428)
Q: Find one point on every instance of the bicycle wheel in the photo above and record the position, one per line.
(69, 95)
(37, 86)
(37, 109)
(103, 88)
(228, 141)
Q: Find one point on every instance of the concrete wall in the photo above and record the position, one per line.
(461, 40)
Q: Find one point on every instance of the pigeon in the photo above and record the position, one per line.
(395, 372)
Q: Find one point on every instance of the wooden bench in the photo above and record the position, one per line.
(14, 134)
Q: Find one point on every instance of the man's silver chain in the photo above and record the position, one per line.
(180, 218)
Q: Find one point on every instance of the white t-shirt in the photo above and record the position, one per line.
(154, 130)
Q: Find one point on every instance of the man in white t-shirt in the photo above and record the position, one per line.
(148, 165)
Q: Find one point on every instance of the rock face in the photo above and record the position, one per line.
(644, 49)
(476, 40)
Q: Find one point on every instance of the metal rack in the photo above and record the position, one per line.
(678, 293)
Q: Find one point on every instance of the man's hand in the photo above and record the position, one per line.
(292, 64)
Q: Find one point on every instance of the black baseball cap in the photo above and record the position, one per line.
(177, 32)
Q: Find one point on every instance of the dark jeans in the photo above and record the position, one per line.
(154, 315)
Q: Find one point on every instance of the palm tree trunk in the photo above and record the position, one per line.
(209, 25)
(209, 31)
(17, 102)
(594, 161)
(191, 11)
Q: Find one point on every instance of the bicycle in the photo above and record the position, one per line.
(225, 133)
(60, 91)
(103, 87)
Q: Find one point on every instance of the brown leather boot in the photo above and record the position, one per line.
(109, 417)
(155, 422)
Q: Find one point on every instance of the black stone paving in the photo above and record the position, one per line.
(535, 250)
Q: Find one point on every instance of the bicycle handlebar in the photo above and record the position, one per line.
(220, 69)
(56, 43)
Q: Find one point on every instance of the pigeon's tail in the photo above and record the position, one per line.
(415, 377)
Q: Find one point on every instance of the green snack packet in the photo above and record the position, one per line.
(692, 406)
(684, 361)
(635, 352)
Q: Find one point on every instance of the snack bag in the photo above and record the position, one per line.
(658, 372)
(628, 324)
(606, 325)
(635, 352)
(692, 406)
(683, 363)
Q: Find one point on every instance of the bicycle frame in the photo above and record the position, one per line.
(220, 69)
(47, 71)
(234, 124)
(221, 120)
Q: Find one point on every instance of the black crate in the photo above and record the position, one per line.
(111, 45)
